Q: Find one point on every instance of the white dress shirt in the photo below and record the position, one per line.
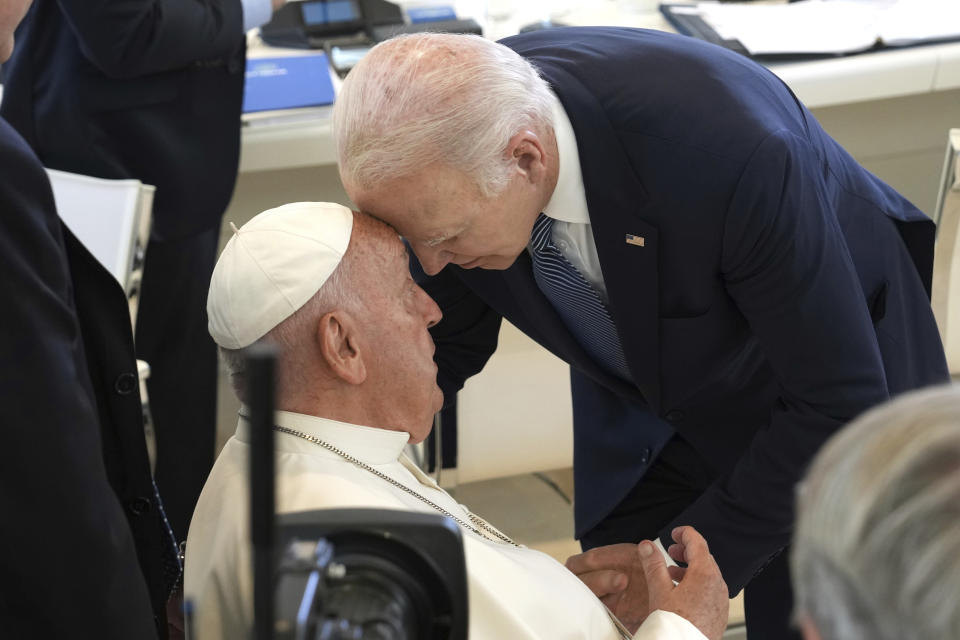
(572, 232)
(514, 592)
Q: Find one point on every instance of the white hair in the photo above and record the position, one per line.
(428, 98)
(876, 555)
(290, 335)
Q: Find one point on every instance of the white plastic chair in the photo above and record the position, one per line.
(515, 416)
(112, 219)
(945, 296)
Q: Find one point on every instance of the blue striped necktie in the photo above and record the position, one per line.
(578, 303)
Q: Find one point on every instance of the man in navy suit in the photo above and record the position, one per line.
(150, 89)
(82, 538)
(744, 287)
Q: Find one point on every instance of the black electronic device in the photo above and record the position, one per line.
(348, 25)
(315, 23)
(333, 17)
(465, 25)
(370, 573)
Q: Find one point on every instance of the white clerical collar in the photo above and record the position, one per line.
(370, 445)
(569, 200)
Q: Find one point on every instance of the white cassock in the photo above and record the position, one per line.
(515, 593)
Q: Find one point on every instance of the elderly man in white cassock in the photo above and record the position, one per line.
(356, 382)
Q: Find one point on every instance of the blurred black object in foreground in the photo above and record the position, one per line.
(370, 573)
(337, 574)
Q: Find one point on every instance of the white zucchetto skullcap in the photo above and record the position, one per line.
(272, 266)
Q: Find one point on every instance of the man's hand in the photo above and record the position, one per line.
(615, 574)
(633, 580)
(701, 595)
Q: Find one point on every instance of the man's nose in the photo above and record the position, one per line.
(431, 312)
(432, 259)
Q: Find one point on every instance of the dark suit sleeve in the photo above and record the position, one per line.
(137, 37)
(68, 560)
(786, 265)
(467, 334)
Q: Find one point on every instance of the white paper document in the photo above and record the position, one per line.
(830, 26)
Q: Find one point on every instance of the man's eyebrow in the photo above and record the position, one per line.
(436, 239)
(440, 236)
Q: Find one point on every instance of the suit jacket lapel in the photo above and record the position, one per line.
(630, 275)
(522, 303)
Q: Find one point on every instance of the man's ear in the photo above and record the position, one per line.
(338, 339)
(529, 152)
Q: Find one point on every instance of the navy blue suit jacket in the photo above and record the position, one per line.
(145, 89)
(781, 289)
(74, 475)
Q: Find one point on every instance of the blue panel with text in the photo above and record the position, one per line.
(287, 83)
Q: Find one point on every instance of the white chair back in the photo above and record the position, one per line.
(945, 296)
(112, 219)
(516, 415)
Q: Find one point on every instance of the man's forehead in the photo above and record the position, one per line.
(393, 260)
(390, 244)
(393, 232)
(429, 196)
(433, 225)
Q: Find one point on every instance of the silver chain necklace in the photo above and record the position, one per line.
(478, 524)
(626, 635)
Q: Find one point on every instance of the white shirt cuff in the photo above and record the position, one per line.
(256, 13)
(666, 625)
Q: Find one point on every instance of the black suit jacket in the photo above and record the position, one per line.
(145, 89)
(73, 466)
(780, 290)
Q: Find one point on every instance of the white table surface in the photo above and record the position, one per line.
(818, 83)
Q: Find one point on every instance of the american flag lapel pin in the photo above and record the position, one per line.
(636, 241)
